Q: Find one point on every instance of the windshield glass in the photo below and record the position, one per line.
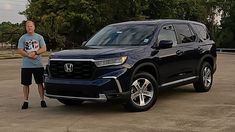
(121, 35)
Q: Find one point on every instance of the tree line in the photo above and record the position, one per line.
(67, 23)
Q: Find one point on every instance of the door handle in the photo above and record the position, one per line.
(179, 52)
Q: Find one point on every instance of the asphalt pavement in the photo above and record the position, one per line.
(177, 110)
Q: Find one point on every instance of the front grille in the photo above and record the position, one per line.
(81, 69)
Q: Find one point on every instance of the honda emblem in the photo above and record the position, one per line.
(68, 67)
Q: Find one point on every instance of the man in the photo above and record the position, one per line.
(30, 46)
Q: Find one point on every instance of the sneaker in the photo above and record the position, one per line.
(25, 105)
(43, 104)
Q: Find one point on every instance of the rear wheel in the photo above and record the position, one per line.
(70, 102)
(144, 91)
(205, 80)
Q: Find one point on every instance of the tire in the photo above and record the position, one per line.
(205, 80)
(143, 92)
(70, 102)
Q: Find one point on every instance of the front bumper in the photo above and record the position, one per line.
(101, 98)
(106, 87)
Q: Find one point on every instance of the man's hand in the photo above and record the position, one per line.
(32, 55)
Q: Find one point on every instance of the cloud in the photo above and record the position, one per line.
(7, 6)
(9, 10)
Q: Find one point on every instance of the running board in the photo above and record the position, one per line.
(178, 81)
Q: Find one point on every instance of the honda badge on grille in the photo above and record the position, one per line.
(68, 67)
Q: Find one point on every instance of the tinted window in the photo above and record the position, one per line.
(120, 35)
(184, 33)
(201, 31)
(167, 33)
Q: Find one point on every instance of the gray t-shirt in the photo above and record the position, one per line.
(31, 43)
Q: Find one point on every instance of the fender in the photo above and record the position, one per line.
(140, 65)
(205, 57)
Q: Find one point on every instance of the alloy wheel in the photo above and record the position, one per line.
(207, 79)
(141, 92)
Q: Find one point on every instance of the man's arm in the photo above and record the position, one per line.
(22, 52)
(20, 47)
(41, 50)
(25, 54)
(34, 54)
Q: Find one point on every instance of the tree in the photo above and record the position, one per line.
(66, 23)
(10, 33)
(226, 37)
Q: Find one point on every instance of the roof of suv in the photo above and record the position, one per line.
(159, 21)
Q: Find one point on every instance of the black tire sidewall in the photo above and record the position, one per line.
(200, 87)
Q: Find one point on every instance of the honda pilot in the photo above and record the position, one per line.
(131, 61)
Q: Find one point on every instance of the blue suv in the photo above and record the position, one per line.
(130, 61)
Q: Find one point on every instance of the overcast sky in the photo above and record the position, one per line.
(9, 10)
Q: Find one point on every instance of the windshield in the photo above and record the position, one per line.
(122, 35)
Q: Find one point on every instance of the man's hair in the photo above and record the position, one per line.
(29, 21)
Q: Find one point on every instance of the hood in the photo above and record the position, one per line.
(94, 52)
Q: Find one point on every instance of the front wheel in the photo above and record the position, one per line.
(205, 80)
(144, 92)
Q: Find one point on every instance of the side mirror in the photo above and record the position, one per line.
(163, 44)
(83, 43)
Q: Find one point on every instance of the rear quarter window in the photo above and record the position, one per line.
(184, 33)
(201, 32)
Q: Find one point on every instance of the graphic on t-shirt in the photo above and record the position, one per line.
(31, 45)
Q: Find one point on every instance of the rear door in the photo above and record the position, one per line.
(189, 49)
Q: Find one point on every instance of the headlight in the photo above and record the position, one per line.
(110, 61)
